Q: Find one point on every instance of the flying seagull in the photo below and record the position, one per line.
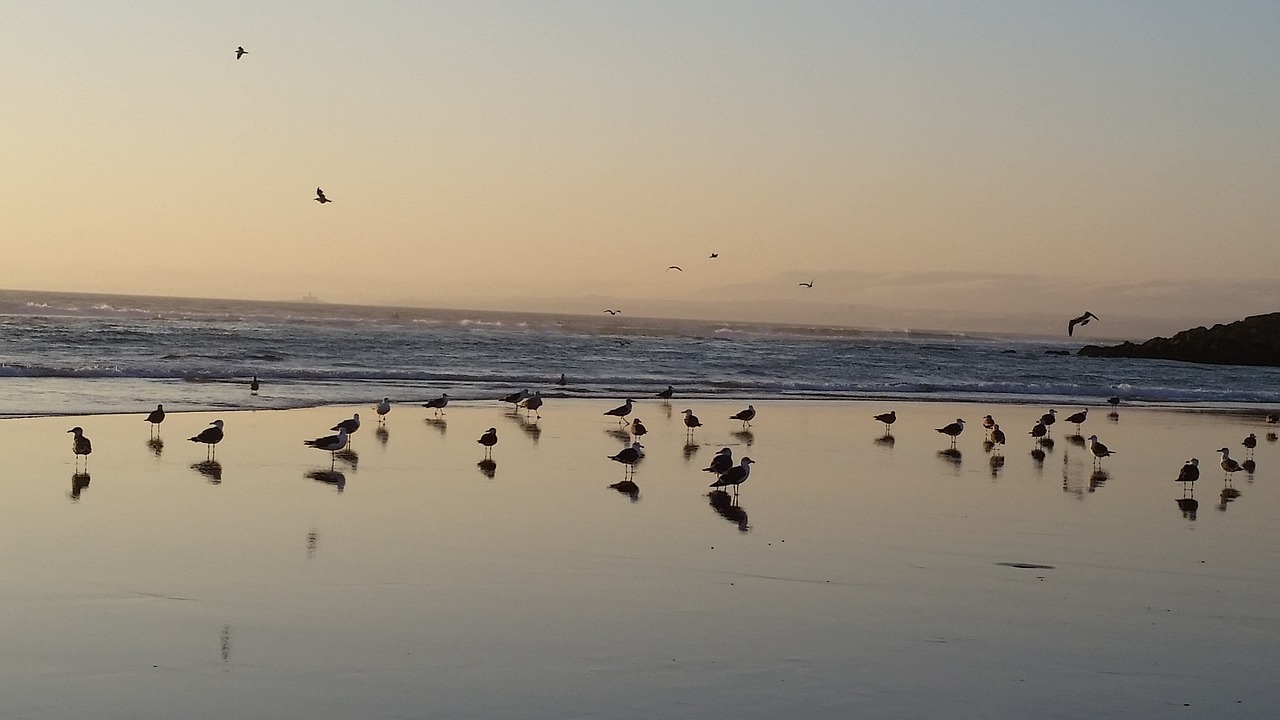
(808, 284)
(241, 52)
(715, 255)
(320, 198)
(614, 312)
(676, 267)
(1082, 320)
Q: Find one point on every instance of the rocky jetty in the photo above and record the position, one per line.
(1252, 341)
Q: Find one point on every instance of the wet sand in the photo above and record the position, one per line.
(853, 576)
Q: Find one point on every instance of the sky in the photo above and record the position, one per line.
(950, 165)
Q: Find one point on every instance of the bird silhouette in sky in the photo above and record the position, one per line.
(1082, 320)
(676, 267)
(241, 52)
(613, 312)
(808, 284)
(320, 198)
(715, 255)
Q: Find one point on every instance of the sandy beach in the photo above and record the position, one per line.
(853, 576)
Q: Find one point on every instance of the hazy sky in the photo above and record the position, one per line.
(479, 152)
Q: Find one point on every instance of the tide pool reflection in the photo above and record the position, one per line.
(329, 477)
(628, 488)
(79, 481)
(488, 467)
(727, 507)
(211, 469)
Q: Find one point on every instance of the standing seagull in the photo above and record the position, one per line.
(155, 418)
(350, 426)
(1229, 465)
(638, 429)
(320, 198)
(691, 421)
(734, 476)
(666, 394)
(888, 419)
(1189, 472)
(1099, 450)
(210, 436)
(1048, 419)
(488, 440)
(331, 443)
(954, 430)
(629, 456)
(515, 398)
(721, 463)
(533, 403)
(437, 404)
(241, 52)
(621, 411)
(383, 408)
(1078, 418)
(745, 416)
(1082, 320)
(80, 445)
(997, 438)
(1249, 444)
(254, 384)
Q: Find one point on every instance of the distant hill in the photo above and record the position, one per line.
(1252, 341)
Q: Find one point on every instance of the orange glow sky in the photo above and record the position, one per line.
(917, 157)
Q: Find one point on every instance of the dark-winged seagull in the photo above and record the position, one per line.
(676, 267)
(1098, 449)
(1189, 472)
(515, 398)
(997, 437)
(330, 443)
(488, 440)
(254, 384)
(438, 404)
(1078, 418)
(691, 421)
(155, 418)
(953, 430)
(621, 411)
(241, 52)
(320, 198)
(1229, 465)
(666, 394)
(1039, 431)
(1249, 444)
(638, 429)
(533, 403)
(988, 422)
(1082, 320)
(808, 284)
(210, 436)
(722, 461)
(629, 456)
(1048, 419)
(80, 445)
(715, 255)
(351, 425)
(383, 408)
(888, 419)
(613, 312)
(745, 416)
(734, 476)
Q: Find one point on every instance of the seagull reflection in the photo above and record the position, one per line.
(488, 467)
(438, 423)
(1188, 506)
(1113, 416)
(885, 440)
(382, 434)
(349, 457)
(226, 643)
(1076, 440)
(997, 462)
(727, 507)
(620, 434)
(1271, 437)
(691, 449)
(211, 469)
(156, 445)
(1249, 467)
(1038, 455)
(528, 427)
(1097, 479)
(313, 542)
(628, 488)
(329, 477)
(744, 436)
(79, 481)
(1228, 494)
(951, 455)
(1046, 443)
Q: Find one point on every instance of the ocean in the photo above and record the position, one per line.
(73, 354)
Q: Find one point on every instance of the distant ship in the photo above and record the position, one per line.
(309, 298)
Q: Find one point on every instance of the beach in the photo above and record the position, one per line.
(851, 576)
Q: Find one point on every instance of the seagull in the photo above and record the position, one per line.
(488, 440)
(351, 425)
(383, 408)
(888, 419)
(156, 417)
(613, 312)
(638, 429)
(621, 411)
(954, 430)
(1048, 419)
(1228, 465)
(734, 476)
(1098, 449)
(722, 461)
(666, 394)
(1078, 418)
(320, 198)
(241, 52)
(715, 255)
(997, 436)
(745, 416)
(1250, 443)
(1039, 431)
(1113, 401)
(808, 284)
(629, 456)
(691, 421)
(562, 381)
(437, 404)
(331, 443)
(515, 398)
(676, 267)
(1189, 472)
(80, 444)
(533, 403)
(254, 385)
(1082, 320)
(988, 422)
(210, 436)
(1273, 418)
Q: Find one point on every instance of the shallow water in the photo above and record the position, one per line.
(852, 577)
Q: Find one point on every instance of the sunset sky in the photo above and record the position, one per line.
(556, 154)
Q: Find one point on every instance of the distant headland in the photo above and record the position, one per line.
(1254, 340)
